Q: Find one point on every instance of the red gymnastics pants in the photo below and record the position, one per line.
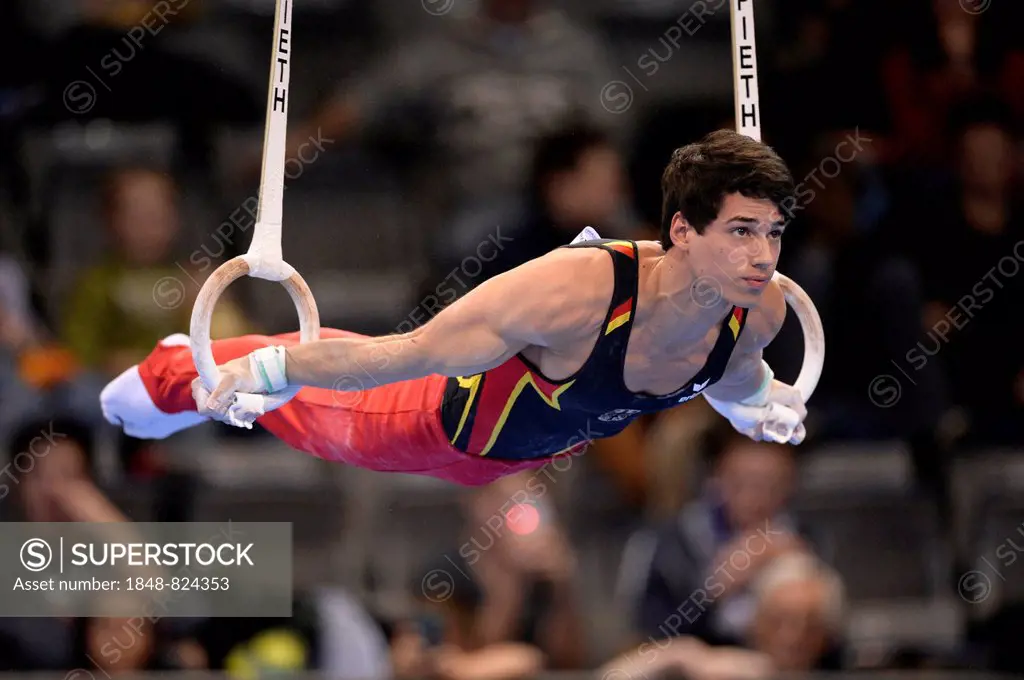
(395, 427)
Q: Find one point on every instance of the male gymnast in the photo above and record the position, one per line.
(536, 362)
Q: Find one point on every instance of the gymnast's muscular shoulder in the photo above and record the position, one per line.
(545, 308)
(558, 298)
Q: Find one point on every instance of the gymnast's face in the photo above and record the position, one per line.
(735, 256)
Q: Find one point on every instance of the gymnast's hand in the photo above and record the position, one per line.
(784, 417)
(235, 376)
(775, 414)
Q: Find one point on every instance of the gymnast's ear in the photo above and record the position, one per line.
(681, 232)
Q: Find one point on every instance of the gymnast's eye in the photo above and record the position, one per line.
(741, 231)
(775, 233)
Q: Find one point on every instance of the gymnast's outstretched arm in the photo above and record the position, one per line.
(534, 304)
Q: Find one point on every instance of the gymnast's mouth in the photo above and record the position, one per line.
(756, 281)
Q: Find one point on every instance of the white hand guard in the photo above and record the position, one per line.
(267, 366)
(242, 413)
(774, 413)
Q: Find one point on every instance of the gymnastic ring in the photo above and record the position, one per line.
(813, 331)
(202, 320)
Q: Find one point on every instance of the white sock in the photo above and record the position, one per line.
(126, 403)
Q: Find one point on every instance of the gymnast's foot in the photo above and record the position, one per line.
(127, 403)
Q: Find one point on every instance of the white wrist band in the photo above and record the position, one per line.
(268, 365)
(760, 398)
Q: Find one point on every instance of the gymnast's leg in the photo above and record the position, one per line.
(372, 427)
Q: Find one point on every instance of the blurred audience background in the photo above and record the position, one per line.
(435, 144)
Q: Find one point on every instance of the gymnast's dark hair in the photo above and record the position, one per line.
(700, 175)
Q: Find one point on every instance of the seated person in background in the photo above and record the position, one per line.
(850, 255)
(690, 575)
(329, 632)
(50, 479)
(973, 307)
(120, 308)
(16, 334)
(796, 627)
(51, 460)
(123, 645)
(353, 646)
(418, 649)
(576, 180)
(512, 608)
(17, 325)
(36, 372)
(798, 615)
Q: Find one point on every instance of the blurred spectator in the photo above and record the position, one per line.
(822, 42)
(475, 98)
(799, 615)
(854, 246)
(107, 645)
(17, 327)
(58, 455)
(924, 59)
(660, 131)
(923, 71)
(419, 649)
(116, 645)
(513, 608)
(796, 627)
(984, 51)
(329, 632)
(36, 372)
(412, 646)
(576, 180)
(973, 298)
(1000, 54)
(353, 645)
(51, 479)
(690, 575)
(846, 248)
(120, 309)
(673, 445)
(15, 333)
